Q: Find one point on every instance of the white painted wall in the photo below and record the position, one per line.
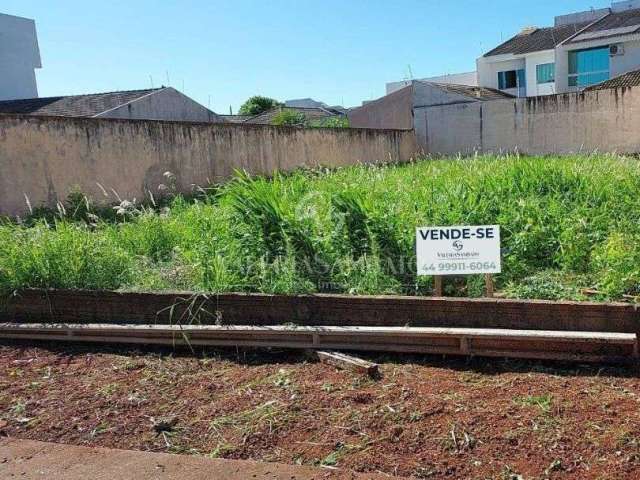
(532, 61)
(618, 64)
(19, 57)
(630, 60)
(488, 68)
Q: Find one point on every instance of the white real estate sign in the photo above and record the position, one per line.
(460, 250)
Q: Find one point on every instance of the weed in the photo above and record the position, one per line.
(543, 402)
(99, 429)
(108, 390)
(282, 379)
(328, 387)
(268, 416)
(18, 408)
(348, 230)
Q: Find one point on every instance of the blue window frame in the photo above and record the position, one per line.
(546, 73)
(588, 67)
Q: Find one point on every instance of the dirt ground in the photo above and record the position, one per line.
(427, 417)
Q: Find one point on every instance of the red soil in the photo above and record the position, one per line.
(426, 417)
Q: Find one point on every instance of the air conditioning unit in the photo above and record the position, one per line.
(616, 50)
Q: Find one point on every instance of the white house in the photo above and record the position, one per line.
(19, 57)
(581, 50)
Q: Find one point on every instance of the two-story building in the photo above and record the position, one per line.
(19, 57)
(581, 50)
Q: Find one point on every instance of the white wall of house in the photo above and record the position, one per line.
(532, 61)
(629, 60)
(618, 64)
(19, 57)
(488, 68)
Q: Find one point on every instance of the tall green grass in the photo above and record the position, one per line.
(567, 223)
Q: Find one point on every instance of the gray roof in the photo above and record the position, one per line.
(615, 24)
(629, 79)
(538, 40)
(235, 118)
(477, 93)
(89, 105)
(266, 118)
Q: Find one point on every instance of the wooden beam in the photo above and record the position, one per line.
(551, 345)
(65, 306)
(347, 362)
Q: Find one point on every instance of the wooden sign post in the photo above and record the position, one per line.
(489, 287)
(437, 286)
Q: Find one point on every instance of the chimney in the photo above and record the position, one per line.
(528, 31)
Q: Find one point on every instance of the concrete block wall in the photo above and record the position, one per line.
(604, 121)
(43, 158)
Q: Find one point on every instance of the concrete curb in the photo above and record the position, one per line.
(31, 460)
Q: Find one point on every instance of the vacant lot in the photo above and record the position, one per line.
(427, 418)
(570, 226)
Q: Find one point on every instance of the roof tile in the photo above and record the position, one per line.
(629, 79)
(75, 105)
(541, 39)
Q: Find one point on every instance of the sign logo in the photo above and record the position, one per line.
(457, 245)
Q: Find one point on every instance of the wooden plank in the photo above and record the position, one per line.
(492, 342)
(322, 331)
(36, 306)
(348, 362)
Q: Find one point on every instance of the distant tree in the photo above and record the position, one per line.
(257, 104)
(289, 117)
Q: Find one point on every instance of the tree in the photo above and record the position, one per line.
(288, 117)
(257, 104)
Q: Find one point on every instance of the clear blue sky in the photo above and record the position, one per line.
(227, 50)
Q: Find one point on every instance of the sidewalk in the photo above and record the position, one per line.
(30, 460)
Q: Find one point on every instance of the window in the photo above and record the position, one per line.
(511, 79)
(588, 67)
(546, 73)
(507, 80)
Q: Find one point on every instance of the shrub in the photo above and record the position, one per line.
(546, 285)
(566, 223)
(150, 235)
(338, 121)
(364, 276)
(65, 256)
(616, 265)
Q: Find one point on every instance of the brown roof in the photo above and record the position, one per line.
(266, 118)
(538, 40)
(615, 24)
(74, 105)
(629, 79)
